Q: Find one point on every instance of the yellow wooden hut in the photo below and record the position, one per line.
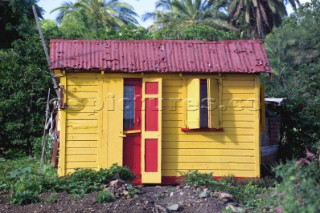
(160, 107)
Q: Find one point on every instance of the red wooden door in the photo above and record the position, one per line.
(132, 126)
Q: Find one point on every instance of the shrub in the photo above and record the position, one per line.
(299, 190)
(195, 178)
(105, 197)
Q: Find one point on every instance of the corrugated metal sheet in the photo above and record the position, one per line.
(241, 56)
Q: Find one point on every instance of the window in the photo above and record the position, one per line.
(129, 109)
(203, 104)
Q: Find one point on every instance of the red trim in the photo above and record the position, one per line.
(202, 130)
(151, 159)
(152, 88)
(151, 118)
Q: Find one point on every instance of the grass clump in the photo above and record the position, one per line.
(24, 183)
(105, 197)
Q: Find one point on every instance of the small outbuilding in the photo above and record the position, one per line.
(160, 107)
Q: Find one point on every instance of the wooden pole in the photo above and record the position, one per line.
(55, 84)
(43, 142)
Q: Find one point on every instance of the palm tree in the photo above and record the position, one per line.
(176, 13)
(256, 17)
(98, 13)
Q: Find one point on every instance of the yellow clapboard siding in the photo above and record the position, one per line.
(170, 123)
(237, 118)
(79, 88)
(239, 77)
(172, 95)
(208, 152)
(81, 144)
(238, 83)
(74, 165)
(81, 151)
(82, 80)
(238, 90)
(176, 89)
(171, 116)
(236, 111)
(195, 136)
(82, 101)
(81, 116)
(216, 173)
(81, 137)
(227, 130)
(82, 129)
(237, 124)
(172, 83)
(209, 166)
(84, 109)
(76, 123)
(207, 159)
(207, 145)
(233, 96)
(81, 158)
(82, 95)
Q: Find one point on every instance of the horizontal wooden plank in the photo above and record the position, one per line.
(172, 83)
(84, 109)
(82, 88)
(81, 158)
(238, 124)
(208, 152)
(239, 77)
(207, 159)
(207, 145)
(81, 144)
(82, 80)
(82, 126)
(216, 173)
(74, 165)
(81, 116)
(81, 151)
(167, 116)
(227, 131)
(81, 137)
(237, 118)
(227, 83)
(238, 90)
(210, 166)
(81, 103)
(234, 96)
(208, 136)
(175, 89)
(82, 95)
(237, 111)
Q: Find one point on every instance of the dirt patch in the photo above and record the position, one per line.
(151, 199)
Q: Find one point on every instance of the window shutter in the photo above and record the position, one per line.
(193, 103)
(262, 108)
(213, 103)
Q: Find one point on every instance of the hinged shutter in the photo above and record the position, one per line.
(151, 131)
(193, 103)
(262, 108)
(213, 103)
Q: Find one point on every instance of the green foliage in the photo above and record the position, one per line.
(105, 197)
(53, 198)
(299, 189)
(294, 56)
(250, 193)
(133, 191)
(194, 32)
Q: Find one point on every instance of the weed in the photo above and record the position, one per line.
(105, 197)
(53, 198)
(195, 178)
(133, 191)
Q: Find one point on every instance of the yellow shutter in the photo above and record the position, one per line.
(151, 146)
(262, 108)
(213, 103)
(193, 103)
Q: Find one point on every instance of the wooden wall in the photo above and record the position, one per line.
(85, 139)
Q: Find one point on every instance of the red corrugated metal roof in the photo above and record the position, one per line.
(241, 56)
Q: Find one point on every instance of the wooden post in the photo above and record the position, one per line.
(44, 131)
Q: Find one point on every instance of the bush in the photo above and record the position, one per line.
(299, 190)
(105, 197)
(195, 178)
